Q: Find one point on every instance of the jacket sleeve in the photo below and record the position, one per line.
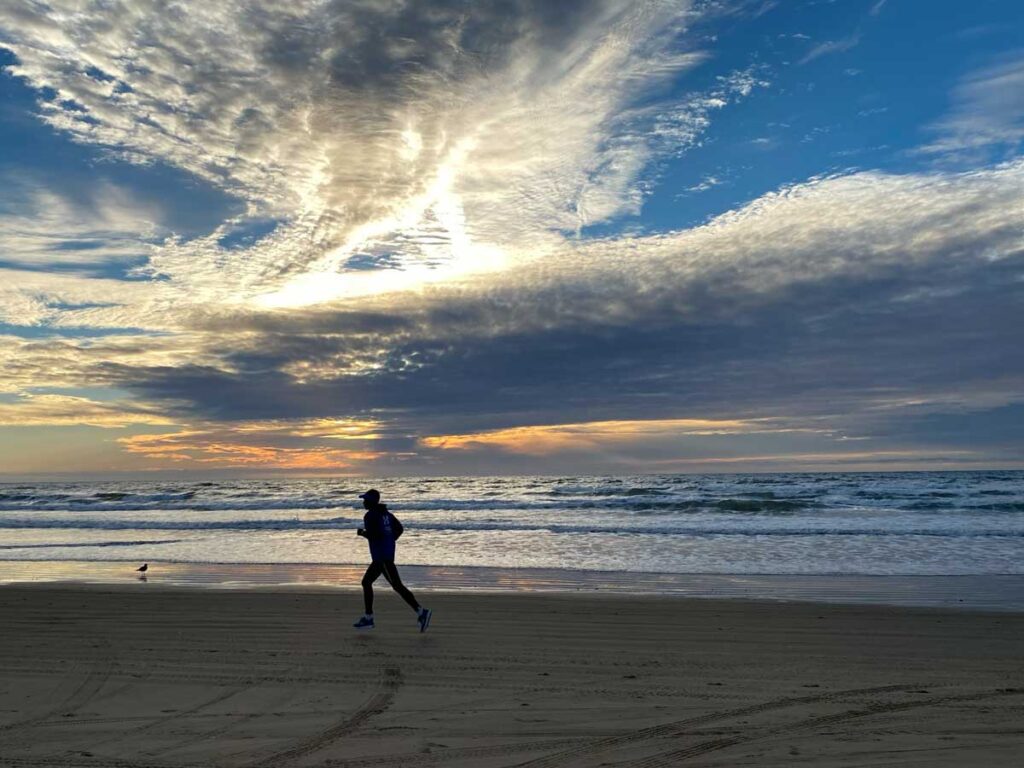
(371, 522)
(396, 527)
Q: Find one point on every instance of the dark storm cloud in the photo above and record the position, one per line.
(1001, 426)
(811, 352)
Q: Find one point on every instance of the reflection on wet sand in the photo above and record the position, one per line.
(1004, 592)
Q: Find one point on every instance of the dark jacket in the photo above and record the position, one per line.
(382, 531)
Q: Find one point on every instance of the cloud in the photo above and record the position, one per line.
(408, 134)
(73, 260)
(265, 445)
(987, 111)
(50, 240)
(379, 147)
(708, 182)
(556, 438)
(792, 304)
(49, 410)
(68, 361)
(831, 46)
(837, 308)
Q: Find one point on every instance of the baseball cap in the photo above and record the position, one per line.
(372, 495)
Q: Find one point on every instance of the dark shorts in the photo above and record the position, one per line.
(383, 552)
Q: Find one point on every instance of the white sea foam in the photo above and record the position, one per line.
(903, 523)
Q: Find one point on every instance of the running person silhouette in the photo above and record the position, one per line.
(382, 529)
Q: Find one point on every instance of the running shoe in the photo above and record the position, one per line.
(364, 623)
(424, 619)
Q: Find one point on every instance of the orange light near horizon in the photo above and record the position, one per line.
(216, 448)
(552, 438)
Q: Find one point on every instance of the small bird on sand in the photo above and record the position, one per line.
(144, 568)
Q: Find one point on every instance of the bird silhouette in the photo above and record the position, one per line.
(144, 568)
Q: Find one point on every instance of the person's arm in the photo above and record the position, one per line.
(371, 527)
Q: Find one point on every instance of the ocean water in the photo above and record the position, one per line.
(930, 523)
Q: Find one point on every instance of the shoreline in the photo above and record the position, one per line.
(1000, 593)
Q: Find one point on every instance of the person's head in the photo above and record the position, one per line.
(370, 498)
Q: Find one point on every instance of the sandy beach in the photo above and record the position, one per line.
(93, 676)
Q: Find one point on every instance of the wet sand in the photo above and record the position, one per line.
(993, 592)
(93, 676)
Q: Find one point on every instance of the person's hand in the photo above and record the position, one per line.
(361, 532)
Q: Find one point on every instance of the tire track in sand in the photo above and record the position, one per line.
(229, 722)
(390, 681)
(673, 757)
(668, 729)
(95, 678)
(446, 754)
(170, 718)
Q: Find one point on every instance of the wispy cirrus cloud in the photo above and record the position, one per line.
(43, 230)
(379, 147)
(405, 134)
(65, 257)
(68, 361)
(56, 410)
(389, 145)
(828, 47)
(987, 112)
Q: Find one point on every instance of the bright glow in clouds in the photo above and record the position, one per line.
(196, 450)
(554, 438)
(259, 444)
(430, 156)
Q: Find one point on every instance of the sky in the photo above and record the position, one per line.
(384, 237)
